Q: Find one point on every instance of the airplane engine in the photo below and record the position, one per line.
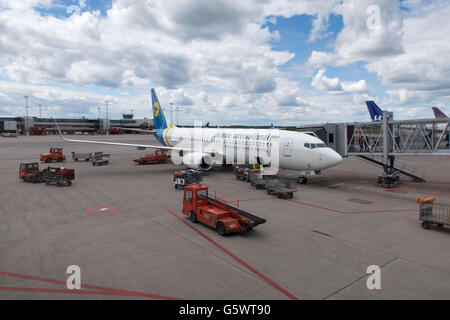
(198, 161)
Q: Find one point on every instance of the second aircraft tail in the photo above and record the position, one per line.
(375, 112)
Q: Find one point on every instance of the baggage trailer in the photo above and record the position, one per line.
(186, 177)
(242, 173)
(100, 159)
(280, 186)
(199, 207)
(29, 172)
(431, 214)
(159, 157)
(55, 154)
(59, 176)
(81, 156)
(256, 178)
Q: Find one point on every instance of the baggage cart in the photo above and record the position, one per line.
(432, 214)
(59, 176)
(100, 159)
(283, 187)
(81, 156)
(257, 180)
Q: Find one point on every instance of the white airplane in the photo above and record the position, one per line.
(201, 148)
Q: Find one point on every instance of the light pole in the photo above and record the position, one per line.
(40, 111)
(27, 132)
(171, 113)
(107, 101)
(178, 109)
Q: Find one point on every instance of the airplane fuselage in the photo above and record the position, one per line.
(294, 150)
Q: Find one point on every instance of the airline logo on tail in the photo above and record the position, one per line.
(158, 115)
(439, 114)
(156, 109)
(375, 112)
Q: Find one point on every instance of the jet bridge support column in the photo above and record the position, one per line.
(390, 176)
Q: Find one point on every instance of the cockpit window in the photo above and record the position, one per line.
(315, 145)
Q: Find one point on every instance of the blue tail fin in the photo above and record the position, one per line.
(158, 115)
(438, 113)
(375, 112)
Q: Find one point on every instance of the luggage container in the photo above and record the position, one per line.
(256, 178)
(81, 156)
(431, 214)
(283, 187)
(100, 159)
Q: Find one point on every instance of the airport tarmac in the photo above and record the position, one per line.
(122, 225)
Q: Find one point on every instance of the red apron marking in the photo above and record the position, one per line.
(240, 261)
(102, 290)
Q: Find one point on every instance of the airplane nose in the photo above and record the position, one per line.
(332, 158)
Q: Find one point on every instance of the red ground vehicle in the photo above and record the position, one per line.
(115, 131)
(214, 213)
(55, 154)
(29, 172)
(37, 131)
(158, 157)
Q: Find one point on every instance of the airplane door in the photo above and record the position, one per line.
(288, 147)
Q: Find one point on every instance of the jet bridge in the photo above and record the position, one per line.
(380, 142)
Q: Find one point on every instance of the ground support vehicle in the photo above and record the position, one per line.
(159, 157)
(226, 219)
(55, 154)
(29, 172)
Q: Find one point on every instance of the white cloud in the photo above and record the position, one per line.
(218, 57)
(322, 83)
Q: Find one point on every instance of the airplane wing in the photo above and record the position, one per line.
(140, 146)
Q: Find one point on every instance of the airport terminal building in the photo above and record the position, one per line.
(14, 126)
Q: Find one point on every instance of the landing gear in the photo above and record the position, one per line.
(303, 180)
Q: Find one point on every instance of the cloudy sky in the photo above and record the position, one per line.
(287, 62)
